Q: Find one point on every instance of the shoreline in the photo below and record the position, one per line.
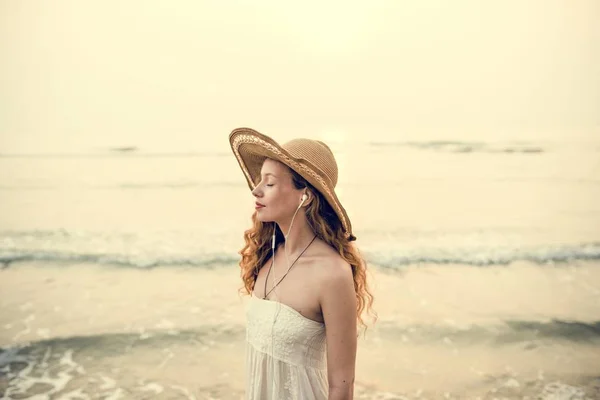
(448, 331)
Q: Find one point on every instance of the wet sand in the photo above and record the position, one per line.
(452, 331)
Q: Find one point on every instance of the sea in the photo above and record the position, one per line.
(124, 209)
(444, 202)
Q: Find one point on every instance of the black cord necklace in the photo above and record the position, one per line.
(289, 269)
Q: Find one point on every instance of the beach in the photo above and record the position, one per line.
(466, 138)
(453, 331)
(121, 281)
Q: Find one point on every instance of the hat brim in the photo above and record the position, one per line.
(251, 148)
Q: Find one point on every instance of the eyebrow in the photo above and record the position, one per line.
(268, 173)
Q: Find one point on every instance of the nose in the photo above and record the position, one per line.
(256, 192)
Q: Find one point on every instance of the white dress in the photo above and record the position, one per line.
(285, 353)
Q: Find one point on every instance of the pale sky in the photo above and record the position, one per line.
(180, 75)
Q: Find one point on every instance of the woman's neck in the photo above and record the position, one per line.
(299, 236)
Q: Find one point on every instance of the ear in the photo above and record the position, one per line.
(309, 198)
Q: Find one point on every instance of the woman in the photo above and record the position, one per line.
(306, 280)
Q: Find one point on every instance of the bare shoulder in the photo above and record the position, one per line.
(333, 273)
(336, 295)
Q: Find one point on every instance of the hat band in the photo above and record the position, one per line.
(251, 139)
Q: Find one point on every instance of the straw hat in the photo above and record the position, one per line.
(311, 159)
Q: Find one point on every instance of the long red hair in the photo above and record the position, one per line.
(326, 225)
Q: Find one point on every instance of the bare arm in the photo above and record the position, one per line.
(338, 304)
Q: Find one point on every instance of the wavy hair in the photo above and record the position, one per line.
(325, 223)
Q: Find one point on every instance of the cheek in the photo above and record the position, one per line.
(273, 195)
(277, 201)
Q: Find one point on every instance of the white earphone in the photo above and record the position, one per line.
(304, 198)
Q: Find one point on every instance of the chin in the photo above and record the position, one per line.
(263, 218)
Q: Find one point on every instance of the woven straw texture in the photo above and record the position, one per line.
(312, 159)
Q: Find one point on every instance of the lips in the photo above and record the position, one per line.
(259, 205)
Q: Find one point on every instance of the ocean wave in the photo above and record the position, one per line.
(388, 259)
(465, 147)
(117, 153)
(487, 256)
(128, 186)
(500, 333)
(92, 366)
(171, 185)
(8, 257)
